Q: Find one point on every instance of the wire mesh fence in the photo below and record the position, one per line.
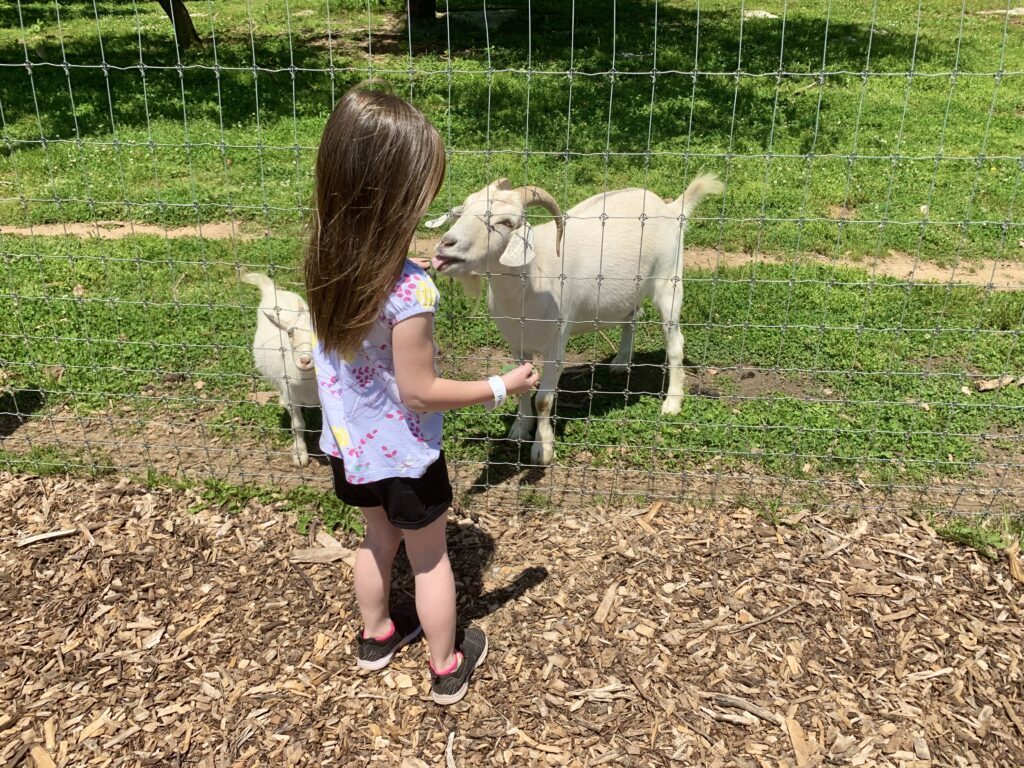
(850, 302)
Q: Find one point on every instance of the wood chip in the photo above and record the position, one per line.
(729, 717)
(61, 534)
(92, 633)
(41, 757)
(186, 633)
(1012, 714)
(123, 736)
(799, 742)
(726, 700)
(921, 748)
(322, 555)
(918, 676)
(896, 616)
(449, 751)
(601, 614)
(1012, 551)
(324, 539)
(653, 511)
(869, 590)
(94, 728)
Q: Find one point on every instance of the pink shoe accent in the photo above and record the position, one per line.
(382, 638)
(452, 668)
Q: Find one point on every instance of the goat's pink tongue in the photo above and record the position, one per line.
(438, 262)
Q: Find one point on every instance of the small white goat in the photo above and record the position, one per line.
(588, 269)
(283, 353)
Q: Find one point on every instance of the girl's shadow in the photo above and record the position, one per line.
(471, 550)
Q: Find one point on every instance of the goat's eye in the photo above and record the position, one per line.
(504, 224)
(291, 331)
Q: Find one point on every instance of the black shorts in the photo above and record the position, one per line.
(410, 502)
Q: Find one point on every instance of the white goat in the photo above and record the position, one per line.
(283, 353)
(588, 269)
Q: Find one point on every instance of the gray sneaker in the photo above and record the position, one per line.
(376, 654)
(451, 688)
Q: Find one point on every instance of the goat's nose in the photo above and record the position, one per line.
(448, 241)
(305, 360)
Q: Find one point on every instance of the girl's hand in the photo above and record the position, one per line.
(521, 379)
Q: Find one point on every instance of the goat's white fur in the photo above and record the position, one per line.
(618, 249)
(283, 352)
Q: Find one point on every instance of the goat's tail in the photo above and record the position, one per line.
(702, 186)
(261, 281)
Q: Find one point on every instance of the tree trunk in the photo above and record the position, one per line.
(184, 30)
(423, 10)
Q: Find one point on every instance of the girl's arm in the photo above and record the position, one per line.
(412, 342)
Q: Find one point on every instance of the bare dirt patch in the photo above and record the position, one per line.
(116, 230)
(185, 445)
(842, 213)
(998, 275)
(746, 383)
(652, 636)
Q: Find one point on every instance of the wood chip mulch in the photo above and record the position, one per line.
(142, 633)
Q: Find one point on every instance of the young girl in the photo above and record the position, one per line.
(379, 166)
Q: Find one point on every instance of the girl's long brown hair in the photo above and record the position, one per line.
(379, 166)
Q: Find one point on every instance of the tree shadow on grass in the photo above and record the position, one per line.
(292, 78)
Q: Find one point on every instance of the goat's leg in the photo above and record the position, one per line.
(300, 456)
(522, 427)
(544, 448)
(668, 299)
(620, 364)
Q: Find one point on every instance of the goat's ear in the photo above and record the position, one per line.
(519, 251)
(500, 184)
(275, 319)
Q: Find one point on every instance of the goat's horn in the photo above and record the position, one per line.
(501, 184)
(536, 196)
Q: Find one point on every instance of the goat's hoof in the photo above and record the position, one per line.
(673, 404)
(542, 454)
(619, 367)
(520, 432)
(300, 460)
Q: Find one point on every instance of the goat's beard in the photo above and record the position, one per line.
(472, 284)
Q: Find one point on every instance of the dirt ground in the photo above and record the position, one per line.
(661, 635)
(999, 275)
(185, 444)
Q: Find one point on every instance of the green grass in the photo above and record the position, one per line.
(880, 364)
(47, 460)
(988, 537)
(304, 502)
(874, 367)
(863, 136)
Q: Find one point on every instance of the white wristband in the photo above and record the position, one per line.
(500, 393)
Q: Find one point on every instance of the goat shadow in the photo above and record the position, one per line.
(16, 406)
(311, 434)
(585, 390)
(471, 550)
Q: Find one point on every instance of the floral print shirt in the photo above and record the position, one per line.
(365, 423)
